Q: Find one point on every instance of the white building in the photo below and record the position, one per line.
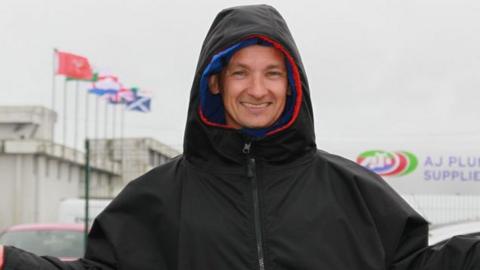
(36, 174)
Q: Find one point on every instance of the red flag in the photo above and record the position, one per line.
(74, 66)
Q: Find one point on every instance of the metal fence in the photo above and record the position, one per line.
(445, 209)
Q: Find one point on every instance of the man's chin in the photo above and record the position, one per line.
(256, 125)
(249, 123)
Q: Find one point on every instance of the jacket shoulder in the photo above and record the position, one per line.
(158, 185)
(348, 168)
(400, 228)
(161, 175)
(373, 189)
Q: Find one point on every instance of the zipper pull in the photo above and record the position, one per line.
(251, 168)
(246, 148)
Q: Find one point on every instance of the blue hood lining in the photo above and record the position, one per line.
(212, 105)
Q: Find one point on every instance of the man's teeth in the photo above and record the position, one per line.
(261, 105)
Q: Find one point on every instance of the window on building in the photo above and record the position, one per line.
(152, 158)
(47, 167)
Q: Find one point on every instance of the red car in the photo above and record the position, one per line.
(65, 241)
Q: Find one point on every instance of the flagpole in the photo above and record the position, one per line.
(97, 116)
(75, 133)
(87, 191)
(65, 100)
(114, 115)
(114, 120)
(54, 72)
(87, 110)
(105, 124)
(122, 138)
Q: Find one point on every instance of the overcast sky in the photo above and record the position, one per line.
(377, 69)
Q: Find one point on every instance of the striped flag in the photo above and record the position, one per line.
(105, 85)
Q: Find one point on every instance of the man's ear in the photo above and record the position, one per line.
(213, 84)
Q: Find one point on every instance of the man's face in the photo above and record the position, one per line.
(253, 87)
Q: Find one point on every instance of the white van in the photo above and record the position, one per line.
(72, 210)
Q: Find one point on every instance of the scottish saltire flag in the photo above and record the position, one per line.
(140, 104)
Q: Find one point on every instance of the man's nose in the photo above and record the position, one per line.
(257, 87)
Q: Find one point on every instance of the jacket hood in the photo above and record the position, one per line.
(207, 138)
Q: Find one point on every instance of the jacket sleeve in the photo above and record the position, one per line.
(459, 252)
(404, 234)
(99, 257)
(411, 251)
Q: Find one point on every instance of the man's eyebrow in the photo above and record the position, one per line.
(272, 66)
(236, 64)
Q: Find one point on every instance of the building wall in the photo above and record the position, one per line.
(136, 155)
(32, 187)
(36, 173)
(26, 122)
(7, 189)
(19, 186)
(58, 180)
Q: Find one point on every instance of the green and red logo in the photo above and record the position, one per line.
(388, 163)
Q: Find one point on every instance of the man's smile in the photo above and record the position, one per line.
(256, 105)
(256, 108)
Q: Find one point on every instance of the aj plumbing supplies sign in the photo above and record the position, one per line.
(452, 168)
(452, 172)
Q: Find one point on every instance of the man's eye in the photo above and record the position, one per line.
(275, 74)
(238, 73)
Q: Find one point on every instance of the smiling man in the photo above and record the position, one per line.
(253, 87)
(251, 190)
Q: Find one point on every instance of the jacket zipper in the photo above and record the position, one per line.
(252, 176)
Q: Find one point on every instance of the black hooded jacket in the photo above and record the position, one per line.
(249, 199)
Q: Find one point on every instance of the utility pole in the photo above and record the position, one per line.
(87, 188)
